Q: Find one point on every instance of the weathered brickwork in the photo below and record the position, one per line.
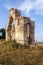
(20, 28)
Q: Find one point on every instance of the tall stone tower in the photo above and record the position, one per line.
(19, 28)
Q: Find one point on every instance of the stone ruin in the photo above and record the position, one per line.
(20, 28)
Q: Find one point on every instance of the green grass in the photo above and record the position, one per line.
(12, 53)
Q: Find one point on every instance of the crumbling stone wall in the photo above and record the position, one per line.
(19, 28)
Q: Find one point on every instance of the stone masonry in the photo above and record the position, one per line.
(20, 28)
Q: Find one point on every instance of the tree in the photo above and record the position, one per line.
(3, 33)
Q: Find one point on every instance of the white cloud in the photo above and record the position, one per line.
(28, 5)
(39, 6)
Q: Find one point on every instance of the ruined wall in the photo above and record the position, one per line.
(19, 28)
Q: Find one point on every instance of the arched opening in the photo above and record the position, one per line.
(12, 30)
(12, 23)
(28, 32)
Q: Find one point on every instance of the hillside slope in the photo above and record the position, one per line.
(12, 53)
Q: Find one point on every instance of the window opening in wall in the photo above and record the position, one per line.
(12, 23)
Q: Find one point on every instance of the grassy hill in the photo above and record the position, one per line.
(12, 53)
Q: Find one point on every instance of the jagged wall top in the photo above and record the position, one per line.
(15, 12)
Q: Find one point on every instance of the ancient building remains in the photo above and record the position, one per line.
(19, 28)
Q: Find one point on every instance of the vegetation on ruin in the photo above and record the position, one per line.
(12, 53)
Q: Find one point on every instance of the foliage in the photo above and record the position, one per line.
(3, 33)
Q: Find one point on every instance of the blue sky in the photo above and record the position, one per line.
(30, 8)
